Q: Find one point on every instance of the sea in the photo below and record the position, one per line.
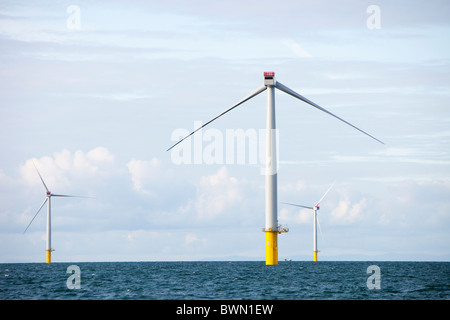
(226, 280)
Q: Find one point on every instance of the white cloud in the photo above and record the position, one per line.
(217, 193)
(418, 204)
(295, 216)
(347, 212)
(192, 239)
(147, 175)
(296, 48)
(65, 168)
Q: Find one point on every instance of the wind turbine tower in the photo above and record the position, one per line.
(272, 229)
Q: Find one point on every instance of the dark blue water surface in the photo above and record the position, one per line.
(322, 280)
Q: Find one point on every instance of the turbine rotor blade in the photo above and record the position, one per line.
(325, 193)
(45, 186)
(36, 214)
(68, 196)
(285, 89)
(256, 92)
(297, 205)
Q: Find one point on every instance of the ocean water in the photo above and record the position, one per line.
(295, 280)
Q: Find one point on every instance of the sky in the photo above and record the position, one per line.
(95, 92)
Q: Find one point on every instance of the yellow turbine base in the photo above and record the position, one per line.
(271, 247)
(315, 255)
(49, 256)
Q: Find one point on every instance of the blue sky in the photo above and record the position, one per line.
(95, 103)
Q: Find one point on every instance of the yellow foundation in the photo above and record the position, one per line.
(271, 247)
(49, 256)
(315, 255)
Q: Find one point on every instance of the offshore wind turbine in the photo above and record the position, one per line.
(315, 208)
(271, 222)
(48, 200)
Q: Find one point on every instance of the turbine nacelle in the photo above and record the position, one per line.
(269, 78)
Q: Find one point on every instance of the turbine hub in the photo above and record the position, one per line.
(49, 193)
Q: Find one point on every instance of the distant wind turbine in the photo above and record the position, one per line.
(272, 228)
(315, 208)
(47, 200)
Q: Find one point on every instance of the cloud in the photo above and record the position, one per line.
(296, 48)
(192, 239)
(203, 200)
(159, 192)
(218, 200)
(148, 175)
(347, 212)
(217, 194)
(295, 216)
(65, 168)
(418, 205)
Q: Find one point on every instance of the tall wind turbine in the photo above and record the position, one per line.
(315, 208)
(47, 200)
(271, 227)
